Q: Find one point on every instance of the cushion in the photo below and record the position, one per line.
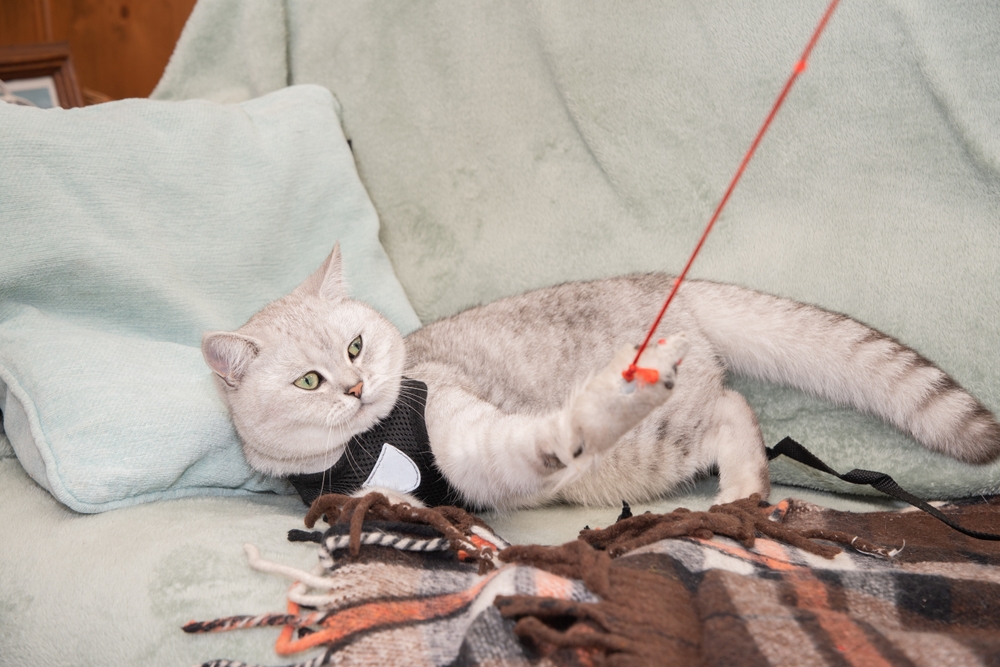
(129, 229)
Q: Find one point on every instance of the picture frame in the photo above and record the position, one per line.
(41, 74)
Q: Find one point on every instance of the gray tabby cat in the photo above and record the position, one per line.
(526, 402)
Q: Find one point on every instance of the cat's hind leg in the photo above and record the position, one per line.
(735, 444)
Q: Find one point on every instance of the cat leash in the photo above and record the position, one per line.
(789, 447)
(877, 480)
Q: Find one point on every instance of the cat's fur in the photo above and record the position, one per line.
(526, 402)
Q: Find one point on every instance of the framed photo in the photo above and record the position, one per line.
(39, 74)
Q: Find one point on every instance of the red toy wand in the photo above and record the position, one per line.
(650, 374)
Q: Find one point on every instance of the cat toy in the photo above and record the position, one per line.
(651, 375)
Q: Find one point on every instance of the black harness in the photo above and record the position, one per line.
(394, 454)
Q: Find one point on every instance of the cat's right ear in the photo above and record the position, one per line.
(229, 354)
(328, 280)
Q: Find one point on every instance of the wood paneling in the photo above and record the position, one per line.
(119, 47)
(24, 22)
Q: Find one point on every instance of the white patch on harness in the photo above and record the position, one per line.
(394, 470)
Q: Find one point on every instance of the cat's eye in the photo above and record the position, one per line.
(309, 381)
(354, 349)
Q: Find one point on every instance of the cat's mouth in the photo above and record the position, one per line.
(375, 399)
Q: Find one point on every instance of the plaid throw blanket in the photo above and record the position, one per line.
(743, 584)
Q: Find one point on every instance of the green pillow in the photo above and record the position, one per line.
(127, 230)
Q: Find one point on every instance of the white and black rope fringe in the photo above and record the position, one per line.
(239, 622)
(318, 661)
(335, 543)
(260, 621)
(380, 539)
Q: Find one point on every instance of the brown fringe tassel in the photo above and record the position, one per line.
(741, 520)
(639, 620)
(452, 522)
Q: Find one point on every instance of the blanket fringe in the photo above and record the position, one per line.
(457, 526)
(617, 626)
(741, 520)
(324, 659)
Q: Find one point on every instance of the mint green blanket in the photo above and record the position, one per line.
(509, 146)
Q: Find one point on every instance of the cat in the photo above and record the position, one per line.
(525, 399)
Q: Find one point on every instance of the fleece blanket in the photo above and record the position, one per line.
(742, 584)
(509, 145)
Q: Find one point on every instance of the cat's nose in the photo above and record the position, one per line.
(356, 390)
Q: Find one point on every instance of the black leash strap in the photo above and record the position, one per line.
(878, 480)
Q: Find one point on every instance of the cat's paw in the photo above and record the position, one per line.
(664, 358)
(609, 405)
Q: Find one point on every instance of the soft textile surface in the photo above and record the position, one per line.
(113, 589)
(913, 592)
(116, 587)
(510, 145)
(129, 229)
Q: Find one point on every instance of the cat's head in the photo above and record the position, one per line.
(306, 373)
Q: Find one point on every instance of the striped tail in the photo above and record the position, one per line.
(842, 360)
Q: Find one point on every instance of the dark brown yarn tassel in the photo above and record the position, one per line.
(452, 522)
(741, 520)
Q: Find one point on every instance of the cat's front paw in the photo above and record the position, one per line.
(609, 405)
(564, 463)
(656, 368)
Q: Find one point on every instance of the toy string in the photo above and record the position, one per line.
(630, 372)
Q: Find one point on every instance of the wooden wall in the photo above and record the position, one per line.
(119, 47)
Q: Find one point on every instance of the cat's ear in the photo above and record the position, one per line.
(229, 354)
(328, 280)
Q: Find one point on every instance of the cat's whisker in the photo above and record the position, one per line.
(331, 424)
(344, 437)
(410, 400)
(328, 455)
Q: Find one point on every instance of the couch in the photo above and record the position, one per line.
(459, 153)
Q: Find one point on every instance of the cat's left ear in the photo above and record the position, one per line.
(328, 280)
(229, 355)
